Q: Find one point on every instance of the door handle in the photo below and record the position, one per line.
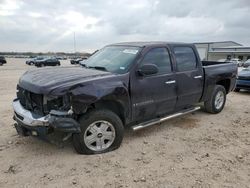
(170, 82)
(197, 77)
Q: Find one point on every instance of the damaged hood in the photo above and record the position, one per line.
(47, 80)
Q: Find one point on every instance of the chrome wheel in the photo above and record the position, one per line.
(99, 135)
(219, 100)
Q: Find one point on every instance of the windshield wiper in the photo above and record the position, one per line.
(94, 67)
(97, 68)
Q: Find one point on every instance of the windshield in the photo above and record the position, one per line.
(116, 59)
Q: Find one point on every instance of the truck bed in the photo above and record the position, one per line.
(216, 73)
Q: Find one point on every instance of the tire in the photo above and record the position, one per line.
(94, 120)
(215, 104)
(236, 90)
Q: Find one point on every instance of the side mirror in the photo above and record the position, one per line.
(148, 69)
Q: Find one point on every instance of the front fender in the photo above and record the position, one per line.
(83, 96)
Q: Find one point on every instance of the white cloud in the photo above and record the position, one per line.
(34, 14)
(41, 25)
(77, 21)
(8, 8)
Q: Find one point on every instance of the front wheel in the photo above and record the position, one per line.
(101, 131)
(217, 100)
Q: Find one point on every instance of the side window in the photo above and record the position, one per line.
(159, 57)
(185, 58)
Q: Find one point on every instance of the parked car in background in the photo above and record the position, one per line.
(243, 80)
(123, 85)
(82, 63)
(61, 58)
(33, 60)
(77, 60)
(2, 60)
(237, 61)
(47, 62)
(246, 63)
(224, 60)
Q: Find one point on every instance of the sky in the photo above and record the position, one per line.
(46, 25)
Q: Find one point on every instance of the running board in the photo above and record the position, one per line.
(155, 121)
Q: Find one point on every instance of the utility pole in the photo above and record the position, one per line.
(75, 42)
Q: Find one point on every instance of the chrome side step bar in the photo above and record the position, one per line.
(155, 121)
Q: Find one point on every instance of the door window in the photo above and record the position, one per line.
(185, 58)
(159, 57)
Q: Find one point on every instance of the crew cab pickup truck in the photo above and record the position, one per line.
(134, 85)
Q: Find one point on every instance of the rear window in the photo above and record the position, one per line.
(185, 58)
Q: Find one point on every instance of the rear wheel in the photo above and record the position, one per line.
(101, 131)
(217, 100)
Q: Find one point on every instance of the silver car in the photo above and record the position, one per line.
(246, 63)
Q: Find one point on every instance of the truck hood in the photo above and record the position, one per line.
(46, 80)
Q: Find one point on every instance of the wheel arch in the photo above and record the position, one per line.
(115, 106)
(225, 83)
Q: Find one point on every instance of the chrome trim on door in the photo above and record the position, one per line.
(170, 82)
(197, 77)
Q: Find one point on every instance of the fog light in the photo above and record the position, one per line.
(34, 133)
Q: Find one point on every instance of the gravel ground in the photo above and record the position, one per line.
(196, 150)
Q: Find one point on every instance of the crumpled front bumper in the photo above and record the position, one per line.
(29, 123)
(28, 118)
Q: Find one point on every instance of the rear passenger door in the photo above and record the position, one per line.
(189, 76)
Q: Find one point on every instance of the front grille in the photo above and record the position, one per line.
(39, 104)
(30, 101)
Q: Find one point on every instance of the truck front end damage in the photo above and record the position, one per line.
(40, 115)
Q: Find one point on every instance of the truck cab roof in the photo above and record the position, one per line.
(148, 43)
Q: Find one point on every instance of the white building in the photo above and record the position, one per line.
(214, 51)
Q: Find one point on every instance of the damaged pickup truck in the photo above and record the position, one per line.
(134, 85)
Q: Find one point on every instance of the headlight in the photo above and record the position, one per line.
(57, 103)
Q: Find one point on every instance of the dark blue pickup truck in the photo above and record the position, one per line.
(134, 85)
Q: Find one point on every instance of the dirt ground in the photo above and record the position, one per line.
(197, 150)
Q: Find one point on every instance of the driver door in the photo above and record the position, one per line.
(154, 95)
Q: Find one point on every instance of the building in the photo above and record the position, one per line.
(214, 51)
